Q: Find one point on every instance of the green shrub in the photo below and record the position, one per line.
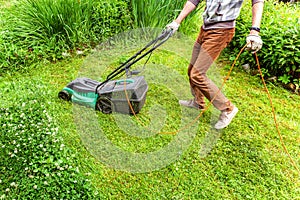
(110, 17)
(280, 32)
(157, 14)
(35, 163)
(51, 29)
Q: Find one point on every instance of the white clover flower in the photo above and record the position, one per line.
(13, 184)
(7, 190)
(45, 182)
(35, 187)
(26, 168)
(65, 54)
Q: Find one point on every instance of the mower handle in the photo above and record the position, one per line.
(163, 37)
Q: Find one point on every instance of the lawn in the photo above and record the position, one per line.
(162, 153)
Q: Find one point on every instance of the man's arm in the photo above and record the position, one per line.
(187, 9)
(257, 11)
(189, 6)
(254, 42)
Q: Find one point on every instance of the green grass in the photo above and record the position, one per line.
(159, 13)
(244, 161)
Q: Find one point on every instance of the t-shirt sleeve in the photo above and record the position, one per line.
(256, 1)
(196, 2)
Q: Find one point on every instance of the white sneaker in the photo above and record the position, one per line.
(225, 118)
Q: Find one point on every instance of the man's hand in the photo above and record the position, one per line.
(173, 27)
(254, 43)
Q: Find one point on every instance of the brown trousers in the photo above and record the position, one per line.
(207, 49)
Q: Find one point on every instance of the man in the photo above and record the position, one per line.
(216, 32)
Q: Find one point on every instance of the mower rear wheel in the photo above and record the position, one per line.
(104, 105)
(64, 95)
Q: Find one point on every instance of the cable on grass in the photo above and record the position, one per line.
(274, 115)
(210, 103)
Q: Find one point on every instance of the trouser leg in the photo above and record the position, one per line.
(206, 50)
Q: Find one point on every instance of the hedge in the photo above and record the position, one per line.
(50, 31)
(280, 32)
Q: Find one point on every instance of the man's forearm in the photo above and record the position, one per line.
(187, 9)
(257, 11)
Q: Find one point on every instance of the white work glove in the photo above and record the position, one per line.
(254, 43)
(173, 27)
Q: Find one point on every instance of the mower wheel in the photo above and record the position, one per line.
(64, 95)
(104, 105)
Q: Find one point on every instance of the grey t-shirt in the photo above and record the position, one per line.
(221, 13)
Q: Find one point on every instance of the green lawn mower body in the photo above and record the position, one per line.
(124, 96)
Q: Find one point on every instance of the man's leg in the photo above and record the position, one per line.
(198, 101)
(211, 43)
(208, 47)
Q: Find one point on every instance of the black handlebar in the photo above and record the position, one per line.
(163, 37)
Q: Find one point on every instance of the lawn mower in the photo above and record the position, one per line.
(124, 96)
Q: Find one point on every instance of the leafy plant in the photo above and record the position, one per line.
(35, 162)
(49, 29)
(280, 32)
(110, 17)
(285, 79)
(157, 14)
